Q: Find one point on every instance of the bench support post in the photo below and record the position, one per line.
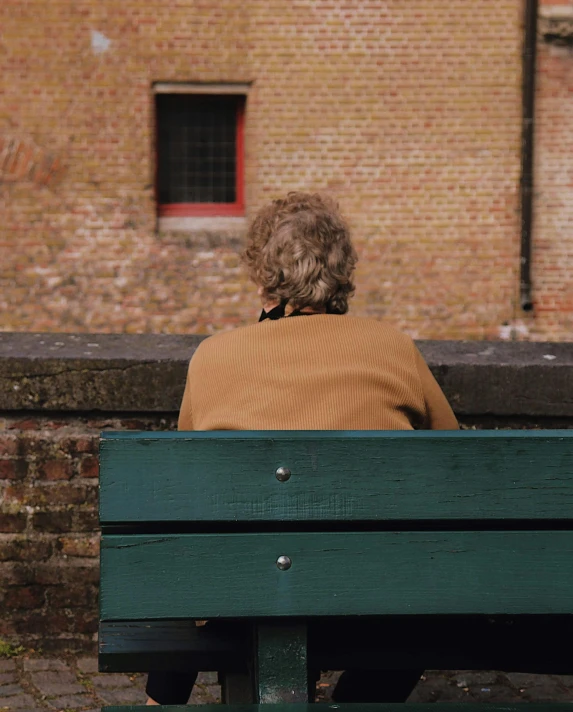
(237, 688)
(280, 660)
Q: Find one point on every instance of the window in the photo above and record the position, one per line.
(200, 154)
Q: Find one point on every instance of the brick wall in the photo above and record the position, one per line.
(49, 543)
(553, 221)
(409, 113)
(48, 448)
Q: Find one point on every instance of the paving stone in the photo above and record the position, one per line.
(6, 665)
(8, 690)
(498, 693)
(51, 683)
(45, 664)
(206, 694)
(566, 680)
(207, 689)
(6, 677)
(545, 689)
(208, 678)
(87, 665)
(70, 701)
(437, 686)
(125, 696)
(540, 688)
(111, 680)
(520, 679)
(21, 702)
(469, 678)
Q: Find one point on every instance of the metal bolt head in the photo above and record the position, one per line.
(283, 474)
(284, 563)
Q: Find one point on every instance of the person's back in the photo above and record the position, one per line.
(307, 366)
(312, 372)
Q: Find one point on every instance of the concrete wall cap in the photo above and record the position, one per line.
(146, 373)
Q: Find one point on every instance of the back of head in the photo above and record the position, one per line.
(299, 250)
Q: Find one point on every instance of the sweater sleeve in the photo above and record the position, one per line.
(439, 415)
(185, 414)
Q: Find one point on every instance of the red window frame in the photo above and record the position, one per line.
(236, 209)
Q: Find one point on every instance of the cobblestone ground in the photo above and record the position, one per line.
(74, 685)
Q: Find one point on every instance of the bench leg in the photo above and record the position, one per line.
(280, 662)
(237, 688)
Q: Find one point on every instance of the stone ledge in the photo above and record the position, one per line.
(93, 372)
(146, 373)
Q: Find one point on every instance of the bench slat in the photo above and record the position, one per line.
(516, 644)
(334, 573)
(133, 646)
(336, 476)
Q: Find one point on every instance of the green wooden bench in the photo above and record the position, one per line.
(335, 550)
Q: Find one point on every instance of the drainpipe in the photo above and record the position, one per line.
(527, 138)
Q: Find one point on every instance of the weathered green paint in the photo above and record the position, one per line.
(229, 476)
(361, 573)
(172, 645)
(281, 669)
(344, 477)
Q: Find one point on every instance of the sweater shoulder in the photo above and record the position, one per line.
(223, 341)
(379, 330)
(315, 328)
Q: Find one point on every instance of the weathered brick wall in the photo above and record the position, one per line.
(408, 112)
(49, 543)
(48, 447)
(553, 220)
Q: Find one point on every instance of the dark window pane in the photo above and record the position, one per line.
(197, 148)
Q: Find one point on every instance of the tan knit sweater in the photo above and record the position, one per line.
(324, 372)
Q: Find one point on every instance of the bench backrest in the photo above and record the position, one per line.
(196, 525)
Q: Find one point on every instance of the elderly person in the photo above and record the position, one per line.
(306, 366)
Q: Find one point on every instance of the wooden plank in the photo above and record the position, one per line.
(229, 476)
(336, 573)
(513, 644)
(281, 662)
(131, 646)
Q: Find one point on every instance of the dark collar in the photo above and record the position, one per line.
(278, 312)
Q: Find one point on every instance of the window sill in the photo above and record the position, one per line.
(202, 224)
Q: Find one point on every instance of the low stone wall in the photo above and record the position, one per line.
(59, 391)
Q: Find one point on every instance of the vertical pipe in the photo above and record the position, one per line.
(527, 139)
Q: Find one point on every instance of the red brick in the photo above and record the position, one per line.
(86, 520)
(77, 595)
(64, 493)
(66, 572)
(56, 470)
(8, 444)
(30, 424)
(24, 549)
(7, 470)
(48, 623)
(24, 597)
(15, 574)
(80, 546)
(12, 522)
(87, 444)
(89, 467)
(52, 521)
